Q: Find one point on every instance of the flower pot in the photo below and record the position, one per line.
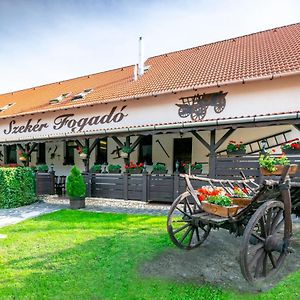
(241, 202)
(115, 171)
(236, 152)
(22, 158)
(279, 169)
(134, 171)
(222, 211)
(291, 151)
(77, 202)
(159, 172)
(196, 171)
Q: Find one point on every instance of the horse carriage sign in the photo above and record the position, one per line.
(196, 106)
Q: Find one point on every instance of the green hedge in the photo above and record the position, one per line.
(17, 187)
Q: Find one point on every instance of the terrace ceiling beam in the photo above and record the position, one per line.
(223, 138)
(118, 142)
(79, 144)
(32, 148)
(201, 140)
(136, 142)
(96, 141)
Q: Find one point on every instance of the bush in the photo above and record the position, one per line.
(159, 167)
(17, 187)
(42, 168)
(95, 169)
(75, 184)
(114, 168)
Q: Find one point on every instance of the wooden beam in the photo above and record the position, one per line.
(212, 154)
(224, 137)
(201, 139)
(96, 141)
(32, 147)
(136, 142)
(118, 142)
(21, 147)
(78, 143)
(87, 160)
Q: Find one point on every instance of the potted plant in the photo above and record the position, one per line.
(22, 155)
(196, 168)
(75, 188)
(240, 197)
(134, 168)
(234, 148)
(114, 169)
(42, 168)
(216, 201)
(273, 165)
(125, 151)
(159, 168)
(96, 168)
(83, 152)
(291, 147)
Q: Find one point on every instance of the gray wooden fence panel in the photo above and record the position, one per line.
(161, 188)
(45, 183)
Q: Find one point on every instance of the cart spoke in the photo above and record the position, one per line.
(259, 263)
(255, 248)
(189, 207)
(255, 258)
(183, 212)
(258, 237)
(268, 221)
(276, 220)
(181, 228)
(191, 237)
(262, 227)
(197, 234)
(185, 235)
(264, 271)
(274, 264)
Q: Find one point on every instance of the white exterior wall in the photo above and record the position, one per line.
(249, 99)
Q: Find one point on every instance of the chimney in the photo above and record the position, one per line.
(141, 57)
(135, 71)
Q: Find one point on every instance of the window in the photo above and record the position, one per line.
(82, 95)
(5, 107)
(41, 154)
(59, 98)
(145, 149)
(11, 154)
(101, 152)
(69, 147)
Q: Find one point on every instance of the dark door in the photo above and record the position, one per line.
(182, 152)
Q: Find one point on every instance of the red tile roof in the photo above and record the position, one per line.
(274, 52)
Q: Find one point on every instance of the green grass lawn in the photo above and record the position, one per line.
(82, 255)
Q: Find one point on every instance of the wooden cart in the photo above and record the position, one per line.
(265, 224)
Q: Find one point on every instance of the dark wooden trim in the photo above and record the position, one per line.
(297, 126)
(79, 144)
(201, 140)
(224, 137)
(118, 142)
(96, 141)
(87, 160)
(20, 147)
(32, 148)
(212, 154)
(136, 142)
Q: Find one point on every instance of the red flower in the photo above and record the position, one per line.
(273, 150)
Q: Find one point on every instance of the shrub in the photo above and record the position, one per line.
(95, 169)
(114, 168)
(42, 168)
(75, 184)
(159, 167)
(17, 187)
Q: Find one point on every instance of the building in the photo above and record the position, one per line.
(182, 106)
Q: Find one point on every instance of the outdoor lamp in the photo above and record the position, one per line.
(263, 145)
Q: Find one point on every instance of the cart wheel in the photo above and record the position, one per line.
(183, 112)
(219, 105)
(184, 231)
(198, 112)
(263, 248)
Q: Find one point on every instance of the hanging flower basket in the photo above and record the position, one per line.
(83, 155)
(22, 158)
(124, 154)
(236, 152)
(292, 151)
(279, 170)
(218, 210)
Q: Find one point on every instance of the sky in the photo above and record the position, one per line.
(48, 41)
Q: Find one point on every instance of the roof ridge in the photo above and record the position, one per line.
(225, 40)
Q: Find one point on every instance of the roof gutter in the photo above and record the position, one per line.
(243, 81)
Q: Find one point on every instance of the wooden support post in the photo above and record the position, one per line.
(118, 142)
(136, 142)
(212, 154)
(127, 144)
(87, 160)
(297, 126)
(201, 140)
(96, 141)
(27, 148)
(224, 137)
